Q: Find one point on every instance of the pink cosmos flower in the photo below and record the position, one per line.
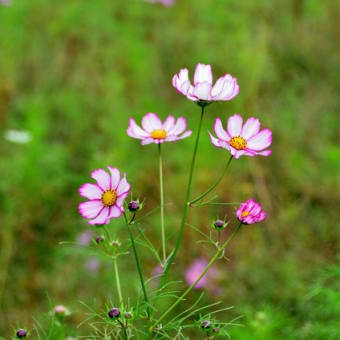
(106, 197)
(154, 131)
(195, 270)
(246, 139)
(225, 88)
(250, 212)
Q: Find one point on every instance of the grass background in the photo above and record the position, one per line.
(73, 72)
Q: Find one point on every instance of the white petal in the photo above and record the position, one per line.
(123, 186)
(90, 191)
(202, 91)
(151, 122)
(234, 125)
(90, 209)
(220, 132)
(147, 141)
(169, 123)
(101, 218)
(115, 177)
(203, 74)
(103, 178)
(218, 87)
(179, 127)
(261, 140)
(121, 198)
(135, 131)
(115, 212)
(214, 140)
(250, 128)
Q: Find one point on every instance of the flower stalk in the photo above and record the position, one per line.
(115, 265)
(161, 189)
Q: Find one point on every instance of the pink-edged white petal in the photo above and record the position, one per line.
(103, 179)
(179, 127)
(219, 85)
(115, 177)
(264, 153)
(115, 211)
(261, 140)
(147, 141)
(123, 186)
(135, 131)
(203, 74)
(90, 209)
(179, 79)
(220, 132)
(250, 128)
(90, 191)
(101, 218)
(172, 138)
(169, 123)
(214, 140)
(234, 125)
(185, 134)
(121, 199)
(151, 122)
(238, 153)
(202, 91)
(229, 91)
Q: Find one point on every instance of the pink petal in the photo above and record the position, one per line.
(220, 132)
(115, 212)
(169, 123)
(261, 140)
(90, 209)
(121, 198)
(250, 128)
(101, 218)
(202, 91)
(185, 134)
(214, 140)
(103, 178)
(264, 153)
(147, 141)
(115, 177)
(234, 125)
(123, 186)
(179, 127)
(203, 74)
(90, 191)
(151, 122)
(135, 131)
(171, 138)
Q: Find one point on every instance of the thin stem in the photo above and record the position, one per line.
(117, 280)
(217, 203)
(212, 261)
(161, 189)
(124, 329)
(185, 210)
(140, 273)
(214, 185)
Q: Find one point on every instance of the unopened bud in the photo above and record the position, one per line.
(134, 206)
(114, 313)
(99, 239)
(206, 324)
(21, 333)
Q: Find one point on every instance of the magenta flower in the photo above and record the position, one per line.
(242, 140)
(250, 212)
(154, 131)
(195, 270)
(106, 197)
(225, 88)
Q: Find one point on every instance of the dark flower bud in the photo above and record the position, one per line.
(114, 313)
(99, 239)
(127, 315)
(206, 324)
(115, 244)
(134, 206)
(219, 224)
(21, 333)
(215, 330)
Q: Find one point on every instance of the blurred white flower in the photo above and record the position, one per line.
(17, 136)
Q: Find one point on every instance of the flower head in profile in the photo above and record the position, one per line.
(250, 212)
(105, 197)
(242, 139)
(154, 131)
(203, 89)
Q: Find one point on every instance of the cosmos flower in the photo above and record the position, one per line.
(195, 270)
(246, 139)
(84, 239)
(154, 131)
(92, 265)
(106, 197)
(250, 212)
(225, 88)
(166, 3)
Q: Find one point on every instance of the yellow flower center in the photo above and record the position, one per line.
(239, 143)
(245, 213)
(109, 198)
(158, 134)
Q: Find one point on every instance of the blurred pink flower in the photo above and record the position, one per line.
(225, 88)
(195, 270)
(250, 212)
(5, 2)
(106, 197)
(167, 3)
(84, 239)
(92, 265)
(154, 131)
(242, 140)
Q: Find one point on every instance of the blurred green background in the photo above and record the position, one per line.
(72, 73)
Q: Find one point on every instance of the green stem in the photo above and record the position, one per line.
(214, 185)
(212, 261)
(117, 280)
(186, 206)
(161, 189)
(124, 330)
(140, 273)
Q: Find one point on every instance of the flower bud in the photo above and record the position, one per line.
(61, 310)
(215, 330)
(21, 333)
(134, 206)
(99, 239)
(114, 313)
(219, 224)
(115, 244)
(206, 324)
(127, 315)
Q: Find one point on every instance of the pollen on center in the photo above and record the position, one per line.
(239, 143)
(158, 134)
(245, 213)
(109, 198)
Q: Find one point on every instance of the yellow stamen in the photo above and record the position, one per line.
(245, 213)
(158, 134)
(109, 198)
(239, 143)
